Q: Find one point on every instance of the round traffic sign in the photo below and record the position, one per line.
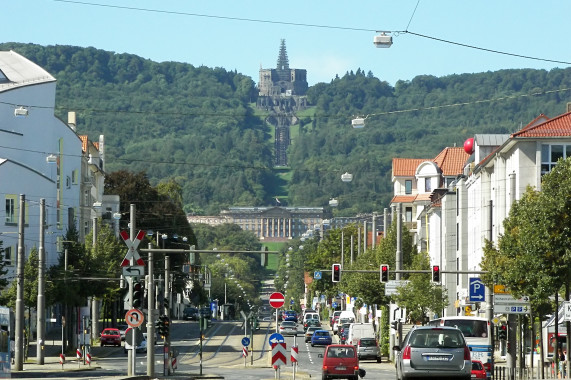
(277, 300)
(245, 341)
(134, 317)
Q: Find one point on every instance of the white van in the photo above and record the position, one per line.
(358, 331)
(314, 316)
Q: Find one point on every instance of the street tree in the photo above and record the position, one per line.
(533, 255)
(420, 295)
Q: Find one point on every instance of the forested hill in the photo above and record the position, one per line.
(197, 125)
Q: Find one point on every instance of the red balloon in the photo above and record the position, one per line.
(469, 145)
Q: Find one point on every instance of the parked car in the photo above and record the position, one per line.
(478, 370)
(190, 314)
(340, 361)
(440, 352)
(141, 347)
(288, 328)
(123, 327)
(110, 337)
(368, 348)
(321, 337)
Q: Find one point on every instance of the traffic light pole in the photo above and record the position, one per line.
(131, 354)
(151, 318)
(166, 339)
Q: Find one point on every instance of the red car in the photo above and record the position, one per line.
(111, 337)
(478, 370)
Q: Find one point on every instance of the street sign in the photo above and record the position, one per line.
(512, 309)
(279, 354)
(245, 341)
(567, 310)
(500, 289)
(134, 271)
(276, 338)
(508, 299)
(277, 300)
(392, 285)
(477, 290)
(317, 275)
(134, 317)
(132, 248)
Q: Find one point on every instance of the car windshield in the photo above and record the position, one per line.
(470, 328)
(321, 333)
(367, 342)
(110, 332)
(477, 366)
(436, 338)
(288, 324)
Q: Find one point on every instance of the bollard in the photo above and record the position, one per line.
(88, 358)
(61, 360)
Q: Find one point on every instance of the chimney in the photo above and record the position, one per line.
(568, 106)
(71, 120)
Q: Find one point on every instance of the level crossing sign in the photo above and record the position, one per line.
(132, 249)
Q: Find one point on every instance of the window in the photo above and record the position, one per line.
(427, 185)
(551, 153)
(75, 177)
(408, 186)
(8, 259)
(408, 214)
(11, 209)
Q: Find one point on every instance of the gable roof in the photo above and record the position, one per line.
(559, 126)
(451, 161)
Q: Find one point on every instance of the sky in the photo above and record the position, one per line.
(327, 38)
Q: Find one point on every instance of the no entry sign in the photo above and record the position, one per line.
(277, 300)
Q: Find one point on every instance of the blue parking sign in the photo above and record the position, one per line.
(477, 290)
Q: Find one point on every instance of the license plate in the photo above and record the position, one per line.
(438, 358)
(474, 376)
(340, 368)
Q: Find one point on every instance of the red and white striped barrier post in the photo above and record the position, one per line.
(88, 358)
(244, 354)
(61, 360)
(293, 358)
(173, 363)
(78, 355)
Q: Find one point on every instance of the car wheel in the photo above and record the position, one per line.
(102, 344)
(379, 359)
(324, 377)
(312, 345)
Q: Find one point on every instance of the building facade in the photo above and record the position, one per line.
(41, 157)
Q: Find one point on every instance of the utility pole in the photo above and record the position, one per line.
(41, 325)
(19, 333)
(398, 257)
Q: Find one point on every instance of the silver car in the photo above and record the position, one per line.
(433, 352)
(288, 328)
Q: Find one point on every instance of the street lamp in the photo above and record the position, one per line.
(383, 40)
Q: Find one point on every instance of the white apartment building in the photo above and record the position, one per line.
(42, 157)
(454, 225)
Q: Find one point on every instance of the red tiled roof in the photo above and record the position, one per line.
(559, 126)
(84, 140)
(423, 197)
(451, 161)
(403, 199)
(406, 167)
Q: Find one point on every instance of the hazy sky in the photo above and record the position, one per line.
(325, 37)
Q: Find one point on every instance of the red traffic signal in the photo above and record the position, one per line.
(384, 273)
(336, 272)
(436, 274)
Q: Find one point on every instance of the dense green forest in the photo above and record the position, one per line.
(198, 125)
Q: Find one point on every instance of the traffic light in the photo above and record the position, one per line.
(159, 327)
(395, 325)
(384, 273)
(503, 332)
(137, 295)
(436, 274)
(166, 323)
(336, 272)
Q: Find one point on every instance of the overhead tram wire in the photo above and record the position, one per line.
(307, 25)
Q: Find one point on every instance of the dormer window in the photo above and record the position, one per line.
(427, 185)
